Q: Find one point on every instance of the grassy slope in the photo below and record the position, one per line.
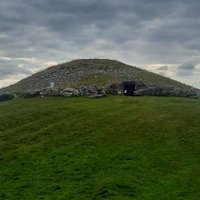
(115, 148)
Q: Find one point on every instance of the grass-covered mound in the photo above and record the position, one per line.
(99, 73)
(111, 148)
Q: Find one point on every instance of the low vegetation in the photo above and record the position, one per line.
(117, 147)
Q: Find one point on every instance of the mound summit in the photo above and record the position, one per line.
(97, 76)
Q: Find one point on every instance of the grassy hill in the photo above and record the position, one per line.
(117, 147)
(96, 72)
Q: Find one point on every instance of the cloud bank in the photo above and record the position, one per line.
(162, 36)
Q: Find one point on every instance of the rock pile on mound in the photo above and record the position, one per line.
(87, 77)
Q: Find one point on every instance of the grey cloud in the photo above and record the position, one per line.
(186, 69)
(139, 32)
(163, 68)
(8, 69)
(186, 66)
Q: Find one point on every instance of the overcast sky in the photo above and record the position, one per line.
(162, 36)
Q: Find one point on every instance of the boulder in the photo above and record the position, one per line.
(149, 91)
(6, 96)
(115, 89)
(31, 93)
(70, 92)
(87, 90)
(50, 92)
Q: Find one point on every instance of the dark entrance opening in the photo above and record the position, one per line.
(129, 88)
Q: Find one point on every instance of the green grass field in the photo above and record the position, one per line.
(122, 148)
